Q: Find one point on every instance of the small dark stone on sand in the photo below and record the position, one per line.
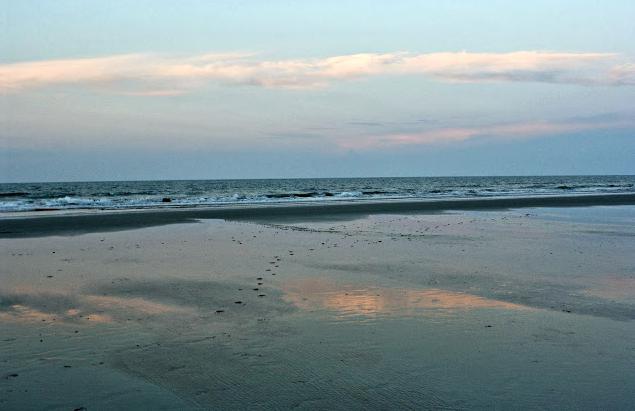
(259, 278)
(67, 366)
(488, 326)
(166, 200)
(11, 376)
(49, 276)
(262, 295)
(238, 302)
(255, 289)
(220, 311)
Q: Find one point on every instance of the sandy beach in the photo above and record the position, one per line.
(471, 305)
(317, 205)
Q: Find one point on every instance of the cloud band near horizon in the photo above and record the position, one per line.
(503, 131)
(160, 75)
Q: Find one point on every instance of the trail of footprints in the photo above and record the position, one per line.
(275, 263)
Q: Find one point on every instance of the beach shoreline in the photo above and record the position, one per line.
(30, 225)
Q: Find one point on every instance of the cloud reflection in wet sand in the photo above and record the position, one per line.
(346, 300)
(613, 288)
(62, 308)
(26, 314)
(134, 304)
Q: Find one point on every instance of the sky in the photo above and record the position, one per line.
(120, 90)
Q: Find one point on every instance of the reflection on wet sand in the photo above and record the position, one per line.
(348, 300)
(135, 304)
(614, 288)
(25, 314)
(66, 308)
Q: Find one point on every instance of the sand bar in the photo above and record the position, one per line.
(33, 226)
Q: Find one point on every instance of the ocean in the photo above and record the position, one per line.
(110, 195)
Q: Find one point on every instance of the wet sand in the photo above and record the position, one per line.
(470, 309)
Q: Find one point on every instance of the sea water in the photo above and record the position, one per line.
(15, 197)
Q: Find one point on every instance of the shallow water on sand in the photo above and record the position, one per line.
(515, 309)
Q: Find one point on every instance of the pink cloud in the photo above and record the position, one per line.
(147, 74)
(459, 134)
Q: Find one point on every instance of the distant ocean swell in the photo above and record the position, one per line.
(196, 193)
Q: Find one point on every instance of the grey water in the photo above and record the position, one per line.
(108, 195)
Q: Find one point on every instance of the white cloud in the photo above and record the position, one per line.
(155, 75)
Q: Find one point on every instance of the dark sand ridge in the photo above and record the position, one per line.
(36, 226)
